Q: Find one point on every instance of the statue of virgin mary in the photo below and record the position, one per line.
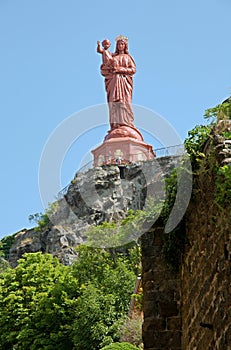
(119, 85)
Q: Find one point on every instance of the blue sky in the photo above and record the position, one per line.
(49, 70)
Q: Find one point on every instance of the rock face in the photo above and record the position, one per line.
(101, 194)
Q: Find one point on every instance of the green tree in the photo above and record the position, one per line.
(106, 282)
(96, 319)
(46, 305)
(36, 303)
(110, 273)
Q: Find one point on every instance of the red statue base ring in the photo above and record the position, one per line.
(122, 145)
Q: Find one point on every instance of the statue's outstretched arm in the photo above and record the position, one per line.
(99, 50)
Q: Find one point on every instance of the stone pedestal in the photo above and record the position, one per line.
(122, 145)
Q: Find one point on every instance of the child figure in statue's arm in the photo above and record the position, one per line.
(107, 55)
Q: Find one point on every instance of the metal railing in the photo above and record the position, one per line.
(176, 150)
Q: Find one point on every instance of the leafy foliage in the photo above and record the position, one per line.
(195, 142)
(106, 281)
(221, 111)
(35, 301)
(43, 219)
(5, 245)
(194, 145)
(45, 305)
(96, 319)
(3, 265)
(226, 135)
(109, 273)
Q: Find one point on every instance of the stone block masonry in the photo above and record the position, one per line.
(206, 272)
(161, 300)
(192, 310)
(206, 265)
(189, 310)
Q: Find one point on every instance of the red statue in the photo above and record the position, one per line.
(123, 143)
(118, 69)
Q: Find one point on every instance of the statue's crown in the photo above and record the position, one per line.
(121, 37)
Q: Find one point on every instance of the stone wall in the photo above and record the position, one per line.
(161, 295)
(206, 288)
(192, 310)
(206, 268)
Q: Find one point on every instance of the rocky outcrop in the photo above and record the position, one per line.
(100, 194)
